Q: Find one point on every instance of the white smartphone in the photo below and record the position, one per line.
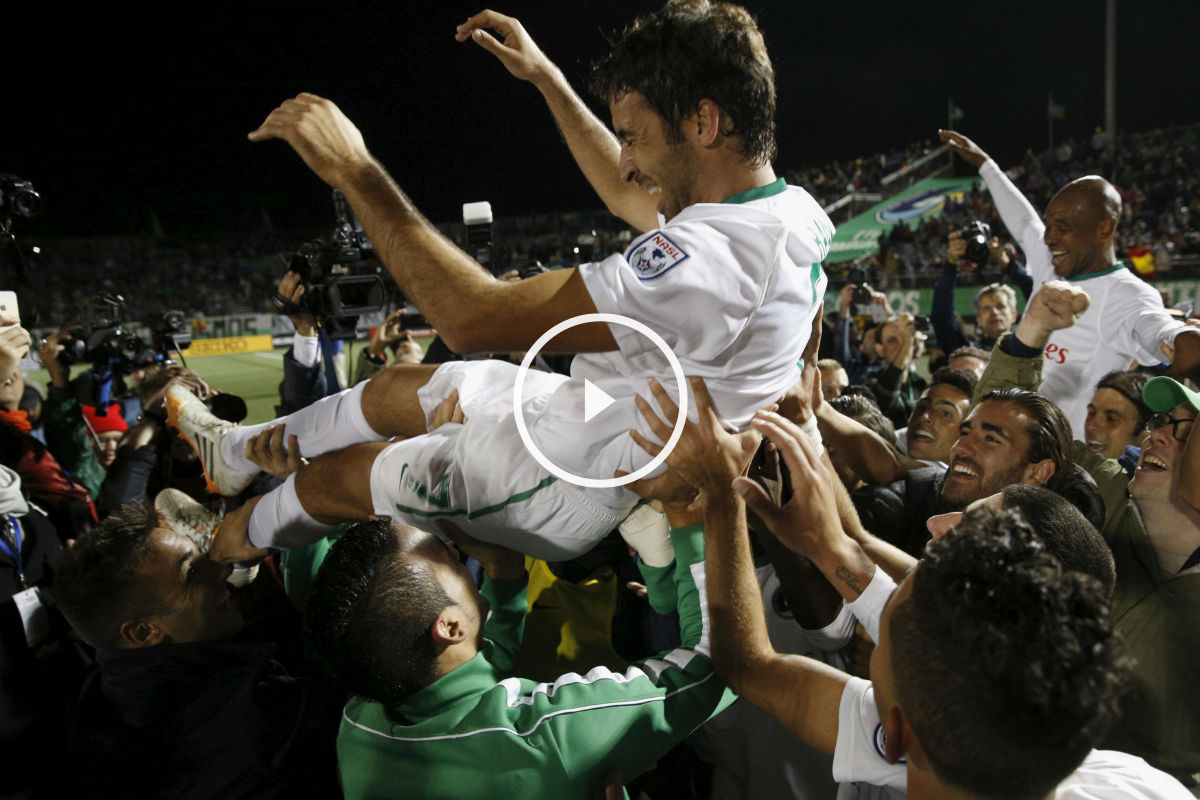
(9, 314)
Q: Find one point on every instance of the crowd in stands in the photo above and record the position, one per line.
(887, 555)
(236, 273)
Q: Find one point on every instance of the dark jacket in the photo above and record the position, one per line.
(897, 513)
(203, 720)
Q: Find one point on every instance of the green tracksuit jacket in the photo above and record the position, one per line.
(478, 732)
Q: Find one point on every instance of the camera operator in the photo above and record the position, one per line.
(304, 379)
(995, 304)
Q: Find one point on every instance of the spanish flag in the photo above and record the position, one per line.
(1142, 260)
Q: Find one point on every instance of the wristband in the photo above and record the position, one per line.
(647, 532)
(814, 433)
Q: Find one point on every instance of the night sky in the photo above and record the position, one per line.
(114, 111)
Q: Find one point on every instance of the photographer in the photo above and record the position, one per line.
(304, 380)
(995, 304)
(899, 385)
(859, 304)
(67, 503)
(389, 334)
(85, 448)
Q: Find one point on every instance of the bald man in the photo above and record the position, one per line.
(1076, 242)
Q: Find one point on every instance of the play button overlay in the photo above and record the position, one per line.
(596, 400)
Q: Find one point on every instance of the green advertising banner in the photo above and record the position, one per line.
(860, 236)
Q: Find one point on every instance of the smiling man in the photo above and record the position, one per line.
(727, 272)
(1076, 242)
(1011, 436)
(1117, 414)
(933, 427)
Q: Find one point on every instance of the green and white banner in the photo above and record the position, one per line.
(860, 236)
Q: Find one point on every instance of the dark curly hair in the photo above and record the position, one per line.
(690, 50)
(1007, 667)
(369, 615)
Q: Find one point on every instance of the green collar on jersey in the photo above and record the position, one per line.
(758, 192)
(1090, 275)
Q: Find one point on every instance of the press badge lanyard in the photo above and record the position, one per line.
(6, 546)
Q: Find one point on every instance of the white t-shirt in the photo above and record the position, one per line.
(859, 763)
(1125, 322)
(731, 287)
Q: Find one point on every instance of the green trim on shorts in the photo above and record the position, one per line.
(516, 498)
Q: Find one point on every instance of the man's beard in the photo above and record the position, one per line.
(962, 496)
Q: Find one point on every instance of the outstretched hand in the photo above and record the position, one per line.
(809, 521)
(969, 151)
(707, 455)
(519, 54)
(320, 133)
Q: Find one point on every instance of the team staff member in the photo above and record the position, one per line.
(1076, 242)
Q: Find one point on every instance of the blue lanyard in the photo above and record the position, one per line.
(16, 527)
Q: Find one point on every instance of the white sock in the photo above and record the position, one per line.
(331, 423)
(280, 521)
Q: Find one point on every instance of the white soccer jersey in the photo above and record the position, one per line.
(859, 763)
(1125, 322)
(731, 287)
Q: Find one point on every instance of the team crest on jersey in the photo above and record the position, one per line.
(881, 744)
(654, 256)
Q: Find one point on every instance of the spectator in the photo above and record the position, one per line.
(936, 418)
(968, 359)
(833, 378)
(898, 384)
(1117, 415)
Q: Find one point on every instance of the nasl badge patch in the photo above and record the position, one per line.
(654, 256)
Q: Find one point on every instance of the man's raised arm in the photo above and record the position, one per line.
(472, 310)
(1019, 216)
(594, 147)
(800, 692)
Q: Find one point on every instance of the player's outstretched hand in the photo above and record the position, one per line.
(1055, 306)
(519, 54)
(971, 153)
(809, 522)
(707, 455)
(14, 345)
(231, 543)
(320, 133)
(291, 288)
(268, 452)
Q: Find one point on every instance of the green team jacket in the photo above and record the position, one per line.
(1157, 617)
(478, 732)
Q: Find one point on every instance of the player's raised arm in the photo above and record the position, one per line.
(594, 147)
(472, 310)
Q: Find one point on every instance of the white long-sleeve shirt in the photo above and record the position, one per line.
(1126, 321)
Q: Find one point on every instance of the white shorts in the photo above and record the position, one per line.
(479, 475)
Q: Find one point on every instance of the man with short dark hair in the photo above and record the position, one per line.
(968, 359)
(1117, 415)
(198, 714)
(728, 273)
(933, 425)
(437, 712)
(1011, 436)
